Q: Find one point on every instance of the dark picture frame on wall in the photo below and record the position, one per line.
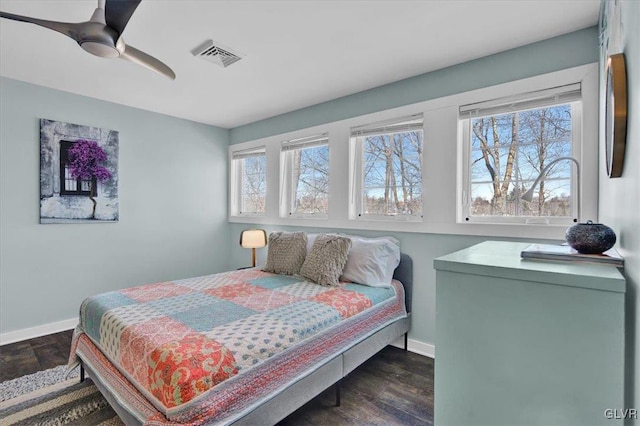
(615, 114)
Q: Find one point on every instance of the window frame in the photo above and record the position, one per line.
(237, 177)
(288, 197)
(464, 215)
(442, 164)
(357, 166)
(65, 145)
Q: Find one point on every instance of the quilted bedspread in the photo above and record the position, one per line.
(177, 342)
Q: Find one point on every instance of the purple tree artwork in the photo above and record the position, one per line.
(86, 160)
(78, 173)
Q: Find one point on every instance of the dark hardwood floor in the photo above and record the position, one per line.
(394, 387)
(29, 356)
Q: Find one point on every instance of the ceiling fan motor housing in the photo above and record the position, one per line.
(100, 40)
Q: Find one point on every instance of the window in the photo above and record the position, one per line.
(387, 169)
(306, 177)
(508, 143)
(68, 184)
(249, 188)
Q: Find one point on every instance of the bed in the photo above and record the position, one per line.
(239, 347)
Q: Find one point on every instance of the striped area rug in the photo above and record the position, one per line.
(65, 402)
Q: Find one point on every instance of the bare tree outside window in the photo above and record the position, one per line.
(254, 187)
(392, 174)
(509, 150)
(310, 180)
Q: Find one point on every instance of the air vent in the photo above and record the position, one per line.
(216, 53)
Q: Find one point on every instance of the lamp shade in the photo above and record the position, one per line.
(253, 238)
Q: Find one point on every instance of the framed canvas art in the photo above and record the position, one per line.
(78, 173)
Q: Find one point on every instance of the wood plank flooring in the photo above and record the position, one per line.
(394, 387)
(29, 356)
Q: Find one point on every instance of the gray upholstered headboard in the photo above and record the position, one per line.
(404, 274)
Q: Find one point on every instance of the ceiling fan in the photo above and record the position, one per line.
(101, 35)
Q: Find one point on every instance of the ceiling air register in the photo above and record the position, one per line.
(216, 53)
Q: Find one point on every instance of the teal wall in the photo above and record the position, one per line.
(562, 52)
(619, 201)
(173, 177)
(566, 51)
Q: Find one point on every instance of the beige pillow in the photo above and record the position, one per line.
(326, 259)
(286, 252)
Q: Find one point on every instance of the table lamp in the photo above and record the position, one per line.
(253, 239)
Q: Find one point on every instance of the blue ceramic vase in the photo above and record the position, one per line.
(591, 238)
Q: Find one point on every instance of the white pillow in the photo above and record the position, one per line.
(310, 239)
(371, 261)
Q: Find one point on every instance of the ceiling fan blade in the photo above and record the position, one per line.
(136, 56)
(118, 12)
(67, 28)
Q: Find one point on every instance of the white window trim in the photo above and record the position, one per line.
(442, 165)
(236, 177)
(356, 156)
(287, 196)
(464, 216)
(523, 101)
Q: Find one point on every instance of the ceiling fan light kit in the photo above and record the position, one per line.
(100, 49)
(102, 34)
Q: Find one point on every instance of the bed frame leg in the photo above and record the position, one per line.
(338, 393)
(406, 341)
(81, 373)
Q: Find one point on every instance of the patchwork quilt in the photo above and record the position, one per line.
(204, 348)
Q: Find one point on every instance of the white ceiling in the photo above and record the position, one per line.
(298, 53)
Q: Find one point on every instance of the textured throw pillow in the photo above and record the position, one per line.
(372, 261)
(326, 259)
(311, 238)
(286, 252)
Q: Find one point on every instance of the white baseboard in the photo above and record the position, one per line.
(40, 330)
(422, 348)
(417, 347)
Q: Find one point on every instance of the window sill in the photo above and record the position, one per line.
(533, 221)
(389, 219)
(545, 232)
(249, 217)
(306, 216)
